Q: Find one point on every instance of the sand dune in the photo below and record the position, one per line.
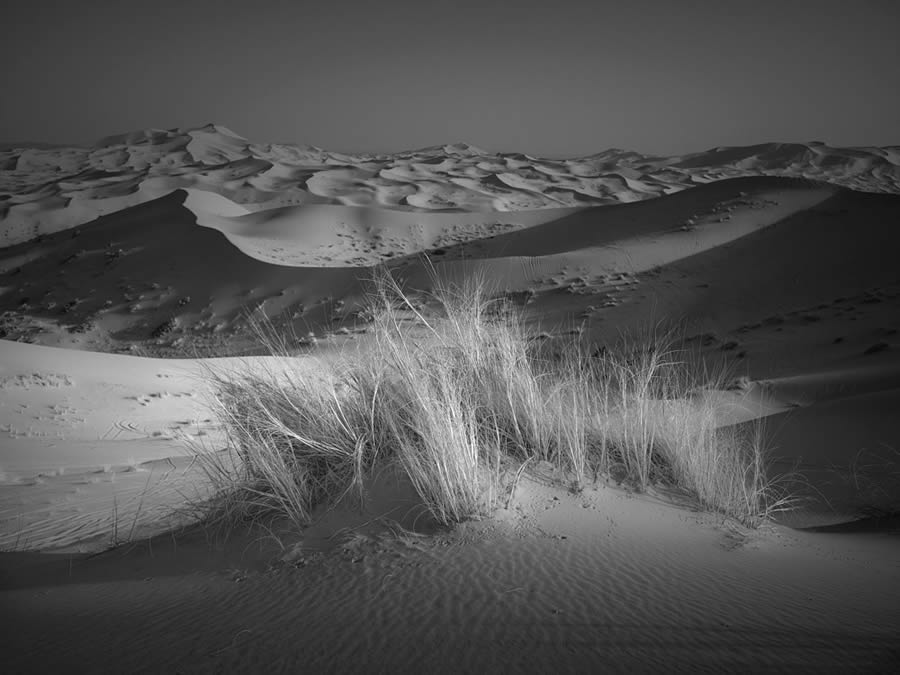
(112, 292)
(159, 247)
(50, 189)
(817, 282)
(326, 235)
(782, 278)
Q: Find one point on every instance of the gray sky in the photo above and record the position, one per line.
(556, 77)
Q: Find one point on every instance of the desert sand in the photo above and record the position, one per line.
(128, 267)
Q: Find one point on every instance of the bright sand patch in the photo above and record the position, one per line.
(93, 446)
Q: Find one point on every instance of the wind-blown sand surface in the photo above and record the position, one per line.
(128, 265)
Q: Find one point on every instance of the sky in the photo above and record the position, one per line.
(552, 77)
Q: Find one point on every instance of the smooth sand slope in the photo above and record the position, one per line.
(85, 440)
(790, 282)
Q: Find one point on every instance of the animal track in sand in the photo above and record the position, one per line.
(54, 380)
(146, 399)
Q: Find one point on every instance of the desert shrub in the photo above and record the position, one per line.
(461, 397)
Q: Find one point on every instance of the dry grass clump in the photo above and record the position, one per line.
(294, 440)
(460, 398)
